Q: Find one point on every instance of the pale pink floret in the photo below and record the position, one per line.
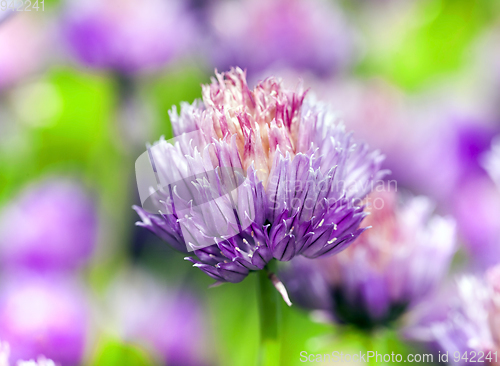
(263, 119)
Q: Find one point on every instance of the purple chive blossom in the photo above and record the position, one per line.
(5, 354)
(170, 321)
(22, 45)
(50, 226)
(473, 322)
(389, 269)
(43, 316)
(126, 37)
(305, 178)
(301, 34)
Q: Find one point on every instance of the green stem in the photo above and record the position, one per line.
(270, 318)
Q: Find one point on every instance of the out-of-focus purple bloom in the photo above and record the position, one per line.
(442, 146)
(456, 147)
(379, 113)
(5, 353)
(433, 148)
(477, 209)
(43, 316)
(307, 285)
(201, 10)
(432, 145)
(450, 169)
(125, 36)
(302, 34)
(304, 175)
(50, 226)
(389, 269)
(23, 43)
(170, 322)
(491, 161)
(474, 319)
(474, 198)
(433, 309)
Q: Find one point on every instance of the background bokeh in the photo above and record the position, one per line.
(85, 84)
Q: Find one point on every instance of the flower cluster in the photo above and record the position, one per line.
(282, 150)
(390, 268)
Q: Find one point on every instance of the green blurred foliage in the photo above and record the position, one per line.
(80, 128)
(71, 139)
(171, 88)
(299, 333)
(235, 321)
(113, 352)
(433, 40)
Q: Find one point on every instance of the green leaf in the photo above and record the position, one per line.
(114, 352)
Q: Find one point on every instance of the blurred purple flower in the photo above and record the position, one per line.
(473, 322)
(378, 112)
(441, 154)
(43, 316)
(304, 176)
(50, 226)
(5, 354)
(22, 45)
(302, 34)
(127, 36)
(433, 309)
(442, 146)
(446, 164)
(450, 169)
(476, 199)
(389, 269)
(169, 321)
(454, 152)
(491, 161)
(477, 209)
